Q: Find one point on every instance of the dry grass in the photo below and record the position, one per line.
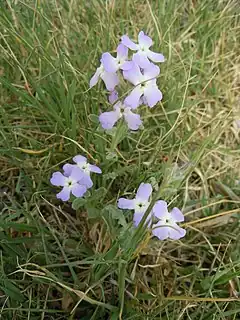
(51, 255)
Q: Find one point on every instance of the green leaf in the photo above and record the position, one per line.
(220, 277)
(99, 193)
(11, 290)
(121, 284)
(115, 315)
(115, 214)
(78, 203)
(93, 212)
(17, 226)
(93, 118)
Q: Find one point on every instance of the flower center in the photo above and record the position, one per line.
(168, 220)
(69, 183)
(141, 205)
(121, 61)
(143, 48)
(84, 167)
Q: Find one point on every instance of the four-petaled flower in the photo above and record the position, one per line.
(145, 85)
(112, 64)
(143, 52)
(139, 204)
(85, 167)
(167, 226)
(110, 79)
(73, 183)
(108, 119)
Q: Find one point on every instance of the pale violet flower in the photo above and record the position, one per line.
(113, 96)
(85, 167)
(140, 204)
(112, 64)
(145, 85)
(109, 119)
(143, 52)
(167, 226)
(72, 183)
(110, 79)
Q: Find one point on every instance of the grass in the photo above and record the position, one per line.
(60, 263)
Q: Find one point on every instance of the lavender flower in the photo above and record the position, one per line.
(109, 119)
(145, 85)
(113, 96)
(110, 79)
(112, 64)
(143, 52)
(85, 167)
(72, 183)
(139, 204)
(167, 226)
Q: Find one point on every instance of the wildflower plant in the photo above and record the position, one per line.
(130, 79)
(134, 65)
(141, 216)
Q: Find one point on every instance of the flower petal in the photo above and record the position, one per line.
(137, 218)
(141, 59)
(110, 79)
(126, 203)
(127, 65)
(57, 179)
(144, 191)
(151, 72)
(78, 190)
(133, 74)
(110, 63)
(176, 232)
(129, 43)
(80, 159)
(117, 107)
(86, 181)
(177, 215)
(144, 40)
(108, 119)
(153, 95)
(134, 97)
(113, 96)
(155, 57)
(64, 195)
(160, 209)
(76, 174)
(122, 52)
(94, 168)
(160, 230)
(67, 168)
(143, 101)
(133, 120)
(95, 77)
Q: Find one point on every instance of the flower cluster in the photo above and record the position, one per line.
(140, 71)
(75, 179)
(162, 222)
